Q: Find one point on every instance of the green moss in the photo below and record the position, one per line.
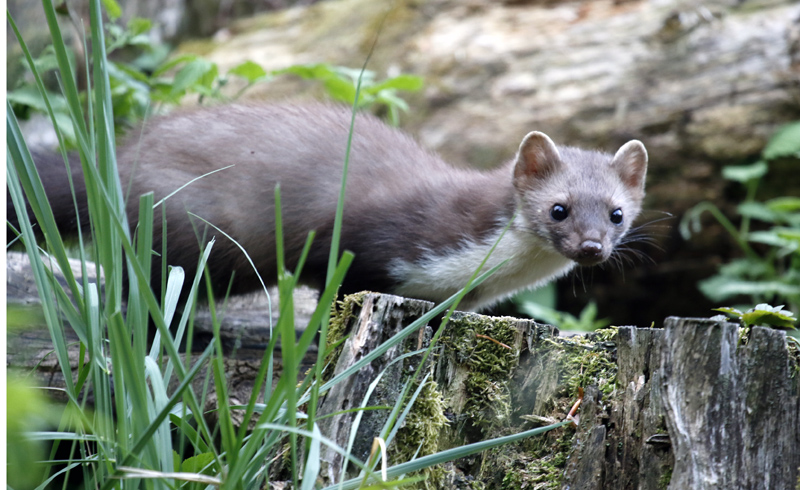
(604, 334)
(423, 424)
(486, 347)
(341, 314)
(663, 482)
(585, 363)
(540, 462)
(539, 469)
(558, 368)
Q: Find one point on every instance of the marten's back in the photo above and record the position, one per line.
(302, 148)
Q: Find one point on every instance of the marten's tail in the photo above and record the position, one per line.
(53, 173)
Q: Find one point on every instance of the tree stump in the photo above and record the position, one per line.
(681, 407)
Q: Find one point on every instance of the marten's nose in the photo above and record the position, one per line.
(591, 250)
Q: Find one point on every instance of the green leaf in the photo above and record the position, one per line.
(784, 238)
(745, 173)
(744, 268)
(341, 90)
(784, 204)
(774, 316)
(186, 58)
(249, 70)
(319, 71)
(758, 211)
(785, 142)
(113, 9)
(191, 74)
(176, 461)
(730, 311)
(789, 233)
(210, 76)
(352, 74)
(720, 288)
(392, 100)
(541, 312)
(152, 59)
(199, 464)
(139, 25)
(29, 95)
(410, 83)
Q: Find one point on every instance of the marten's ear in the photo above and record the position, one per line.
(630, 163)
(537, 157)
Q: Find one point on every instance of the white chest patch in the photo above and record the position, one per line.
(436, 277)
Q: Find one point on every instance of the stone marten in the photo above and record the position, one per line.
(418, 226)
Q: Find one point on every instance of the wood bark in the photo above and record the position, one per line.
(732, 410)
(376, 319)
(696, 410)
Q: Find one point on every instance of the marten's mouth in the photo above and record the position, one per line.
(589, 261)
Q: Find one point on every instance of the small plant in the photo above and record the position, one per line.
(540, 305)
(340, 83)
(764, 315)
(769, 270)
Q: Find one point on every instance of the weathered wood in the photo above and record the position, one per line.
(375, 318)
(627, 431)
(695, 410)
(690, 410)
(732, 411)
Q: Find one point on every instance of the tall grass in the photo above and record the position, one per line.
(140, 433)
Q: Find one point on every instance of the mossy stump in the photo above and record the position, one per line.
(686, 406)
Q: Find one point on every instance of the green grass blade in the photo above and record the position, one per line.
(43, 284)
(145, 438)
(313, 462)
(27, 176)
(450, 455)
(398, 337)
(225, 421)
(159, 400)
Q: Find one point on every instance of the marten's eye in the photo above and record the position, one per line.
(559, 212)
(616, 216)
